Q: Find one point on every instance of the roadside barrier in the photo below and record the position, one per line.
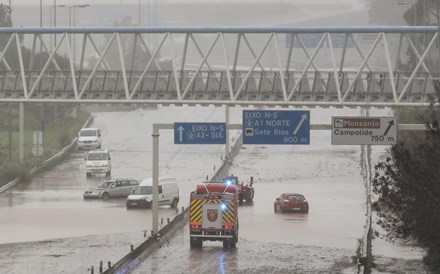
(51, 162)
(133, 259)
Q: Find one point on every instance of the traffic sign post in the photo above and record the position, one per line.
(364, 130)
(37, 148)
(199, 133)
(282, 127)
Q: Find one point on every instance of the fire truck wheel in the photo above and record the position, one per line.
(233, 243)
(225, 243)
(195, 243)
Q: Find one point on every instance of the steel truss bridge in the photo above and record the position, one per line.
(271, 66)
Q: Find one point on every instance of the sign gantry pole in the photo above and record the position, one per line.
(155, 205)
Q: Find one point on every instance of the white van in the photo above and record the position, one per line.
(89, 138)
(142, 196)
(98, 161)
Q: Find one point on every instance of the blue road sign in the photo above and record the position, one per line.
(311, 40)
(276, 127)
(199, 133)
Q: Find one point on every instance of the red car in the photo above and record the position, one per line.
(291, 202)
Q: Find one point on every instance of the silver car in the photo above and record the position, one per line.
(111, 189)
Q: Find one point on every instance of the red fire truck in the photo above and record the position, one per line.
(245, 191)
(213, 214)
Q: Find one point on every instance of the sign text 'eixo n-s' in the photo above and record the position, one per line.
(199, 133)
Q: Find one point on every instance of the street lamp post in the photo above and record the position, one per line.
(72, 24)
(55, 21)
(53, 24)
(140, 13)
(41, 13)
(41, 22)
(438, 34)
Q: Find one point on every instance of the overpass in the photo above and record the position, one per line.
(270, 66)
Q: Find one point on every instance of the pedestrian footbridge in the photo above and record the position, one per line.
(272, 66)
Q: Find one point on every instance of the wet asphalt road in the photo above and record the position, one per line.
(51, 207)
(321, 241)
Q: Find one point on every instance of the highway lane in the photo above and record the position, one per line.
(81, 233)
(331, 181)
(51, 207)
(44, 203)
(323, 241)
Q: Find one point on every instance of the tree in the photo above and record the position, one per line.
(412, 13)
(421, 13)
(11, 55)
(379, 12)
(5, 22)
(134, 54)
(407, 185)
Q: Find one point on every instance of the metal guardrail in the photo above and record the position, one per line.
(46, 165)
(132, 260)
(9, 185)
(51, 162)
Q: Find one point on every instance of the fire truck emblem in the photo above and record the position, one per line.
(212, 215)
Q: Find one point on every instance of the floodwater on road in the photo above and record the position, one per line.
(47, 223)
(322, 241)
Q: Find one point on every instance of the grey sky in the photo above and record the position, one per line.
(145, 2)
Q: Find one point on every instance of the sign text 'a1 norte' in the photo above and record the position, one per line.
(283, 127)
(364, 130)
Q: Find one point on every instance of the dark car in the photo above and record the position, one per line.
(112, 189)
(291, 202)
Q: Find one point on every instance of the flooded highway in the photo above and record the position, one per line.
(47, 222)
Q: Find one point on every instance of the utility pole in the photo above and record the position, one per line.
(10, 134)
(55, 21)
(140, 13)
(41, 13)
(438, 34)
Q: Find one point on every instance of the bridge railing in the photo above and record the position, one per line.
(286, 66)
(314, 88)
